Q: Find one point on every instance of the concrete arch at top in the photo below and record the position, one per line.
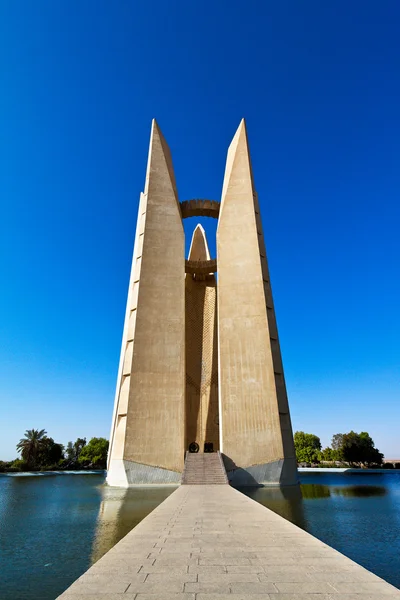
(199, 207)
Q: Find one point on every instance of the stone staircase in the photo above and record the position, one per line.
(204, 469)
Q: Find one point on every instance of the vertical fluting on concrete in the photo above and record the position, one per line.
(255, 423)
(148, 424)
(201, 403)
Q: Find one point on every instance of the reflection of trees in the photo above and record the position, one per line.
(120, 511)
(360, 491)
(312, 491)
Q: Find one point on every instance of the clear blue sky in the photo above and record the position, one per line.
(319, 84)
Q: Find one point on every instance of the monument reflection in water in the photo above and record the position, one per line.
(120, 510)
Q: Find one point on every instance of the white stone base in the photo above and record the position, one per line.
(280, 472)
(126, 473)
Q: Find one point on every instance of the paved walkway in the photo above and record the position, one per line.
(214, 543)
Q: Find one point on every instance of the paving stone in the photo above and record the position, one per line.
(378, 587)
(224, 561)
(333, 566)
(363, 596)
(318, 587)
(208, 570)
(232, 597)
(167, 569)
(274, 561)
(308, 597)
(243, 568)
(171, 577)
(175, 561)
(352, 576)
(253, 588)
(212, 587)
(274, 570)
(113, 586)
(164, 597)
(285, 577)
(157, 587)
(106, 596)
(227, 577)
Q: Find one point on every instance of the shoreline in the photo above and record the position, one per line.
(304, 470)
(344, 470)
(48, 473)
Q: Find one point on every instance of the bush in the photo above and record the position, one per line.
(397, 465)
(50, 468)
(387, 466)
(19, 465)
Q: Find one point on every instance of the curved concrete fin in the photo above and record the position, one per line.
(160, 177)
(199, 247)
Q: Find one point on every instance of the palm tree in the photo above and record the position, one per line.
(30, 445)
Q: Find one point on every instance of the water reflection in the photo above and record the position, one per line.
(313, 491)
(286, 502)
(358, 514)
(53, 528)
(292, 502)
(360, 491)
(120, 511)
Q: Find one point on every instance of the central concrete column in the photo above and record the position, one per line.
(201, 405)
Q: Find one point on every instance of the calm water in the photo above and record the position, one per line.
(52, 528)
(357, 514)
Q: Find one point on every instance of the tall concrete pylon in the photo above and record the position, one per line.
(255, 424)
(200, 365)
(147, 437)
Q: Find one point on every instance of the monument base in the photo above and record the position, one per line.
(280, 472)
(126, 473)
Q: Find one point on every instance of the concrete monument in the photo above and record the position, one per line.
(200, 366)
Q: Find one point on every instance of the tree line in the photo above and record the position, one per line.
(353, 449)
(39, 452)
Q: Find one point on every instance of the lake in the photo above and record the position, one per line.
(53, 527)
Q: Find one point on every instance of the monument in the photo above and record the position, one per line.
(200, 366)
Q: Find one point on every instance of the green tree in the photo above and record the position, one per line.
(328, 454)
(94, 453)
(337, 441)
(307, 447)
(356, 448)
(30, 445)
(49, 453)
(73, 450)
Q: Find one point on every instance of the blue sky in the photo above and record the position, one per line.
(319, 85)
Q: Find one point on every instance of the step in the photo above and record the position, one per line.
(204, 469)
